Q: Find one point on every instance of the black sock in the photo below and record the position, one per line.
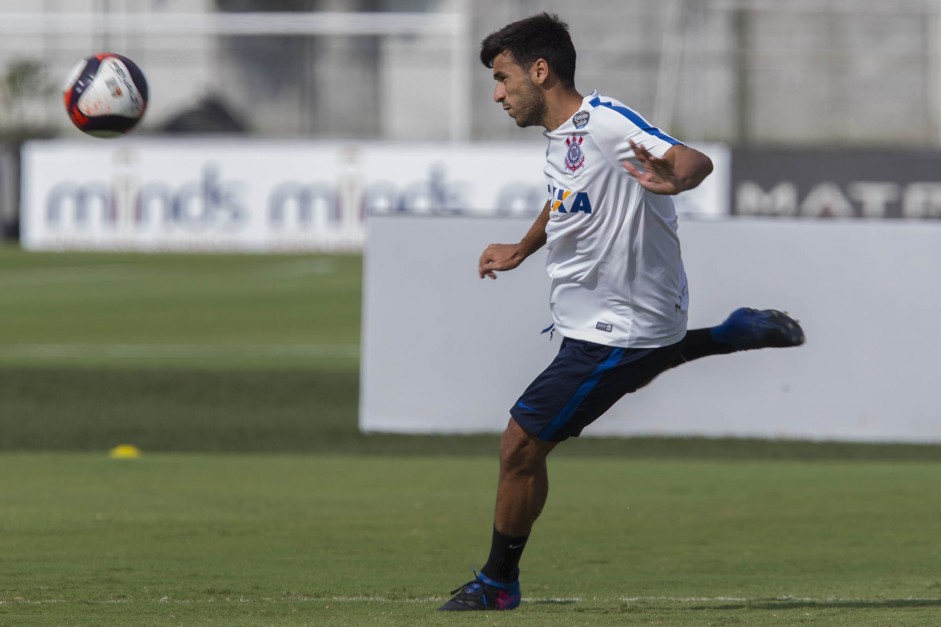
(504, 560)
(701, 343)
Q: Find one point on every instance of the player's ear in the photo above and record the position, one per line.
(539, 71)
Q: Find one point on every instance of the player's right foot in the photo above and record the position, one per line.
(747, 329)
(483, 593)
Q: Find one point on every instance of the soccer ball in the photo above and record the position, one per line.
(105, 95)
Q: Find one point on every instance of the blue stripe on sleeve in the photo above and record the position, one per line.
(634, 117)
(581, 394)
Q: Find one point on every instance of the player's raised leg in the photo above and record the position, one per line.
(744, 329)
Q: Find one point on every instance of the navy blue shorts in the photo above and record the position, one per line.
(583, 382)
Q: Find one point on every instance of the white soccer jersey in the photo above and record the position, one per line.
(614, 255)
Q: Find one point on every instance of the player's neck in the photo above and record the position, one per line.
(560, 106)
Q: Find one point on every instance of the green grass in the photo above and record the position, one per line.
(179, 311)
(257, 501)
(246, 540)
(299, 411)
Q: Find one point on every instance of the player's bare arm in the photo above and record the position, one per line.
(680, 169)
(502, 257)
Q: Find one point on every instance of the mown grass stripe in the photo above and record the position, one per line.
(175, 351)
(437, 599)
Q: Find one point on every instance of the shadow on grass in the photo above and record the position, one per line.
(821, 604)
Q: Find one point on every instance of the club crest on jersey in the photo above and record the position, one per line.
(574, 157)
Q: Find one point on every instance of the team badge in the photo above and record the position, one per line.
(574, 157)
(581, 119)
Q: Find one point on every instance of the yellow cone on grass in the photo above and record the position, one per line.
(124, 451)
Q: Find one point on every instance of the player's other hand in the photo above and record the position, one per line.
(498, 258)
(657, 174)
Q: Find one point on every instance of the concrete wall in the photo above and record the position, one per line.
(445, 352)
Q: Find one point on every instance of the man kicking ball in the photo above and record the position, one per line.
(618, 287)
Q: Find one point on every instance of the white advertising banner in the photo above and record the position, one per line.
(447, 352)
(269, 196)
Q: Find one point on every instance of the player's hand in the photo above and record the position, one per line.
(657, 174)
(499, 258)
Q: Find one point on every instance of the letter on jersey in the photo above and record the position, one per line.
(567, 201)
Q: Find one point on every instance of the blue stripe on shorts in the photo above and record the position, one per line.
(583, 391)
(582, 383)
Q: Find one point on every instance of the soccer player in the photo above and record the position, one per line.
(618, 288)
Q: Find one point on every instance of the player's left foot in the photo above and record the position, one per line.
(747, 329)
(483, 593)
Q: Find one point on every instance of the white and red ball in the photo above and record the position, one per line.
(105, 95)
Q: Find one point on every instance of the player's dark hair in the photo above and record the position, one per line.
(542, 36)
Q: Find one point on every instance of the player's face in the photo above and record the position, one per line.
(520, 97)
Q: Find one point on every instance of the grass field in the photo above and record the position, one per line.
(287, 539)
(256, 500)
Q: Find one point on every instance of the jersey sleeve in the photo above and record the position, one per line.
(618, 125)
(657, 143)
